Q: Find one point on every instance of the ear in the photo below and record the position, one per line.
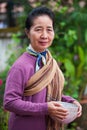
(27, 32)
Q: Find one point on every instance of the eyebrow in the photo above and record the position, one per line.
(42, 27)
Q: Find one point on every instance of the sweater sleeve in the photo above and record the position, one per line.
(13, 96)
(67, 99)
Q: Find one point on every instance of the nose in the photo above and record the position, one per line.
(44, 34)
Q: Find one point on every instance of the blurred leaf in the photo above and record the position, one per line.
(70, 69)
(82, 61)
(86, 35)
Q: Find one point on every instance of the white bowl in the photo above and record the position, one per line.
(72, 109)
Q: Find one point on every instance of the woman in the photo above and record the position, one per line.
(35, 82)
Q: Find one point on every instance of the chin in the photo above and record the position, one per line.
(41, 50)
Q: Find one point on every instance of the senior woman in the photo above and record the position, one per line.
(35, 82)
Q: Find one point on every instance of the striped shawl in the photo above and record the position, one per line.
(49, 76)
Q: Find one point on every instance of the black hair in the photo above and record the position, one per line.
(39, 11)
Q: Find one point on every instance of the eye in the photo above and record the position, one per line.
(38, 29)
(50, 30)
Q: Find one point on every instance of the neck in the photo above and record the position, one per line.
(30, 47)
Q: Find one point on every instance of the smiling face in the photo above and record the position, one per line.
(41, 33)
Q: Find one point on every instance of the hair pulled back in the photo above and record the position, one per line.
(39, 11)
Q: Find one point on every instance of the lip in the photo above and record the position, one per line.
(43, 42)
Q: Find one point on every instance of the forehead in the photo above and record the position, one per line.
(42, 20)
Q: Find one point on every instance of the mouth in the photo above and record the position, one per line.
(43, 43)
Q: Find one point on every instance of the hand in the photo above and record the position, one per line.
(57, 111)
(79, 108)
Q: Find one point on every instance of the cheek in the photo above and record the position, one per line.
(32, 37)
(52, 37)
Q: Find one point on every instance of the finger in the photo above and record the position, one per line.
(59, 114)
(61, 109)
(79, 111)
(59, 118)
(79, 114)
(62, 113)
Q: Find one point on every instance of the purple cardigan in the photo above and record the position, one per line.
(26, 113)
